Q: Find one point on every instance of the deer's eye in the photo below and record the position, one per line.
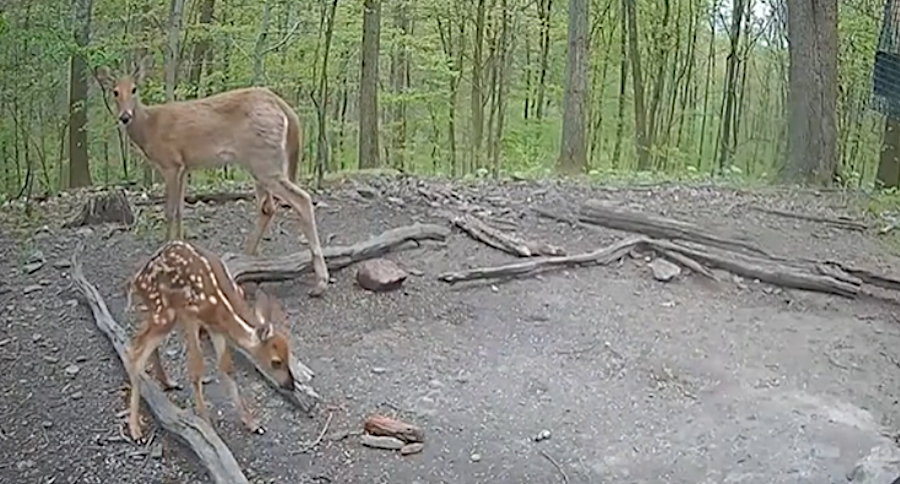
(277, 364)
(116, 92)
(133, 90)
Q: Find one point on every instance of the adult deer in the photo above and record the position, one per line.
(250, 127)
(187, 286)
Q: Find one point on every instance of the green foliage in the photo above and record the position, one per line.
(36, 42)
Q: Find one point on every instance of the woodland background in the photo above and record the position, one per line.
(463, 88)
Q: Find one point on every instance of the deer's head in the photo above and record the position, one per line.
(124, 89)
(275, 349)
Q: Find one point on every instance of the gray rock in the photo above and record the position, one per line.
(381, 442)
(380, 275)
(881, 466)
(664, 270)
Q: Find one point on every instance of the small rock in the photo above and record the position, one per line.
(381, 442)
(51, 359)
(46, 424)
(366, 191)
(32, 288)
(664, 270)
(494, 288)
(156, 452)
(62, 264)
(77, 395)
(413, 448)
(37, 337)
(380, 275)
(542, 435)
(435, 383)
(84, 232)
(378, 370)
(34, 262)
(396, 201)
(81, 358)
(72, 370)
(882, 465)
(416, 272)
(475, 457)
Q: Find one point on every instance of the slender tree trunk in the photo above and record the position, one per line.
(79, 165)
(174, 36)
(623, 83)
(202, 52)
(544, 9)
(477, 97)
(573, 148)
(369, 156)
(888, 175)
(640, 111)
(726, 140)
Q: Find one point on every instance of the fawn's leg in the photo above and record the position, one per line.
(160, 373)
(195, 364)
(265, 211)
(141, 346)
(301, 202)
(223, 356)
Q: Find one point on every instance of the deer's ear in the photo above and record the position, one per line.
(104, 78)
(140, 70)
(276, 313)
(262, 306)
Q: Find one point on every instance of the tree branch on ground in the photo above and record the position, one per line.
(840, 222)
(199, 436)
(508, 243)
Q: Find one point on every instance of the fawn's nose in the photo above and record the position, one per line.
(125, 117)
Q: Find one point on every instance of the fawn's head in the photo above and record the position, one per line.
(124, 89)
(275, 349)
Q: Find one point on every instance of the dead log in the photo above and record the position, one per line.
(508, 243)
(191, 429)
(878, 280)
(108, 207)
(766, 270)
(598, 257)
(259, 269)
(213, 197)
(658, 227)
(840, 222)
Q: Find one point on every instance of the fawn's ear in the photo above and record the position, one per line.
(276, 314)
(104, 77)
(265, 332)
(262, 307)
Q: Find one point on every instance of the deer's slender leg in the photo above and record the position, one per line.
(160, 373)
(174, 180)
(223, 356)
(301, 202)
(195, 364)
(141, 346)
(265, 210)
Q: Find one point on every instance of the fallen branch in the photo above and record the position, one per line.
(214, 197)
(194, 431)
(258, 269)
(508, 243)
(767, 270)
(659, 227)
(842, 222)
(598, 257)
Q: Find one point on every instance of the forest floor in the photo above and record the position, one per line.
(636, 380)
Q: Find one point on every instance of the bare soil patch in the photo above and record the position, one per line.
(626, 378)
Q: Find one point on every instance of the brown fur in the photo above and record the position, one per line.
(252, 127)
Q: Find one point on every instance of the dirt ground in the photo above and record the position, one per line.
(636, 380)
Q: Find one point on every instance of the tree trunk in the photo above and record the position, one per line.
(174, 35)
(726, 140)
(400, 82)
(79, 165)
(321, 101)
(573, 149)
(202, 50)
(812, 143)
(477, 98)
(640, 111)
(888, 175)
(544, 9)
(369, 156)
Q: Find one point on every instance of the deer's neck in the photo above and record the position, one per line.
(240, 331)
(140, 127)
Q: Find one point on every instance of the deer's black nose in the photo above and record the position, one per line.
(125, 118)
(288, 384)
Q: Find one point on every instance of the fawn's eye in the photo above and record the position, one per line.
(133, 90)
(277, 364)
(115, 92)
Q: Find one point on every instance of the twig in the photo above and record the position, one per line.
(318, 440)
(837, 222)
(555, 464)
